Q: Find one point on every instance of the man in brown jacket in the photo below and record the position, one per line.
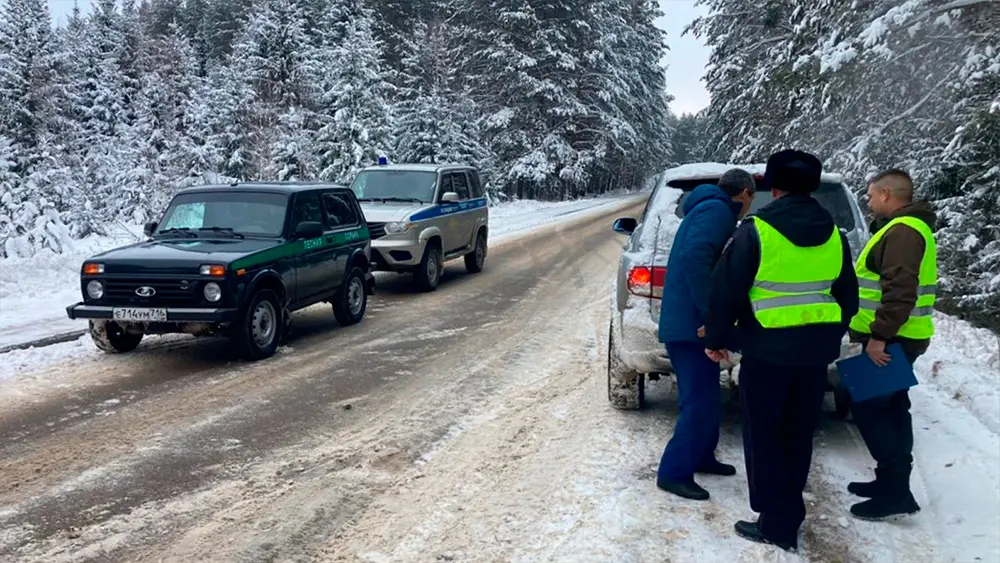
(900, 262)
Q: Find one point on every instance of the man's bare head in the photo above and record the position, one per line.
(889, 191)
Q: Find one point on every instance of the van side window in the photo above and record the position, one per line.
(460, 185)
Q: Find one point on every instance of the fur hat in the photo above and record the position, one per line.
(793, 171)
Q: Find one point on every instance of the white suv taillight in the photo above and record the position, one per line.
(647, 282)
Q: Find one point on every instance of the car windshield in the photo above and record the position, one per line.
(832, 196)
(225, 213)
(395, 185)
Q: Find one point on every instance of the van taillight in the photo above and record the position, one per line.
(647, 282)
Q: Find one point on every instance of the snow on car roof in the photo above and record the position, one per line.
(415, 167)
(713, 170)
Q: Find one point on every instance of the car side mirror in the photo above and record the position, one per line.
(309, 229)
(449, 197)
(149, 228)
(625, 225)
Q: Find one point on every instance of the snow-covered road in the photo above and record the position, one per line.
(468, 425)
(35, 292)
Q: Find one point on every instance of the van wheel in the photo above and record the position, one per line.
(428, 273)
(352, 299)
(258, 331)
(475, 261)
(626, 388)
(110, 337)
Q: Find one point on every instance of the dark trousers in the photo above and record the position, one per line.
(887, 429)
(696, 433)
(780, 408)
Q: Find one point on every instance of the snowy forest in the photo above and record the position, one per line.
(102, 120)
(867, 85)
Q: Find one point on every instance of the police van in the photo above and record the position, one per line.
(423, 215)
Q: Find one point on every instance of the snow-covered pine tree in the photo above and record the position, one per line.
(437, 123)
(354, 109)
(748, 108)
(27, 77)
(277, 58)
(221, 124)
(156, 146)
(395, 26)
(519, 65)
(226, 20)
(292, 155)
(29, 101)
(688, 140)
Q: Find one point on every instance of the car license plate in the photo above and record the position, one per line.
(140, 315)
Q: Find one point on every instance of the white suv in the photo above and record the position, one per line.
(634, 349)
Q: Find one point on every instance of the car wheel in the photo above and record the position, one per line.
(428, 273)
(626, 388)
(352, 299)
(476, 260)
(258, 331)
(110, 337)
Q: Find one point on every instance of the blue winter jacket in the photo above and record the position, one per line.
(709, 220)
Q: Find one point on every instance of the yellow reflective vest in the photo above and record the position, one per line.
(920, 324)
(793, 283)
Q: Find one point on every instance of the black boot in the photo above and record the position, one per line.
(689, 490)
(751, 531)
(868, 489)
(716, 467)
(886, 508)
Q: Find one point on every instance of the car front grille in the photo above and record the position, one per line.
(376, 230)
(175, 293)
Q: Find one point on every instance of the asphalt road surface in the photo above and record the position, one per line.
(178, 452)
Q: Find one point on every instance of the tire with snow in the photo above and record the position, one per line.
(428, 273)
(626, 388)
(110, 337)
(258, 330)
(475, 261)
(351, 301)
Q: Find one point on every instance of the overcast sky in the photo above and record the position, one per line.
(686, 60)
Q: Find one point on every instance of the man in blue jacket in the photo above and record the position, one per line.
(710, 216)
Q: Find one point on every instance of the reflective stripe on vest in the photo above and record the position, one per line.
(793, 283)
(920, 324)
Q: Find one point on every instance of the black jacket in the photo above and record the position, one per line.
(804, 222)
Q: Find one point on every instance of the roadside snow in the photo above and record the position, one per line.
(34, 292)
(521, 217)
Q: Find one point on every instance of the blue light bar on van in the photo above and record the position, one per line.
(382, 161)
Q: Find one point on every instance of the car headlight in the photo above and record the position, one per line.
(396, 227)
(213, 292)
(95, 289)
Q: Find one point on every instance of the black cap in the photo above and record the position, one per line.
(793, 171)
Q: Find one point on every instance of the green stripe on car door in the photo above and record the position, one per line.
(295, 247)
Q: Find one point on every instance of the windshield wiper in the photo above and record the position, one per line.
(370, 199)
(183, 231)
(226, 230)
(406, 199)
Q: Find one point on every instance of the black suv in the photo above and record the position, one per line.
(232, 260)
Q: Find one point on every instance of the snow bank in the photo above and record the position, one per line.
(35, 291)
(963, 364)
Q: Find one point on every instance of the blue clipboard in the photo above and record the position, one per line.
(865, 380)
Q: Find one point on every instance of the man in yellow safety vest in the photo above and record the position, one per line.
(787, 279)
(897, 274)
